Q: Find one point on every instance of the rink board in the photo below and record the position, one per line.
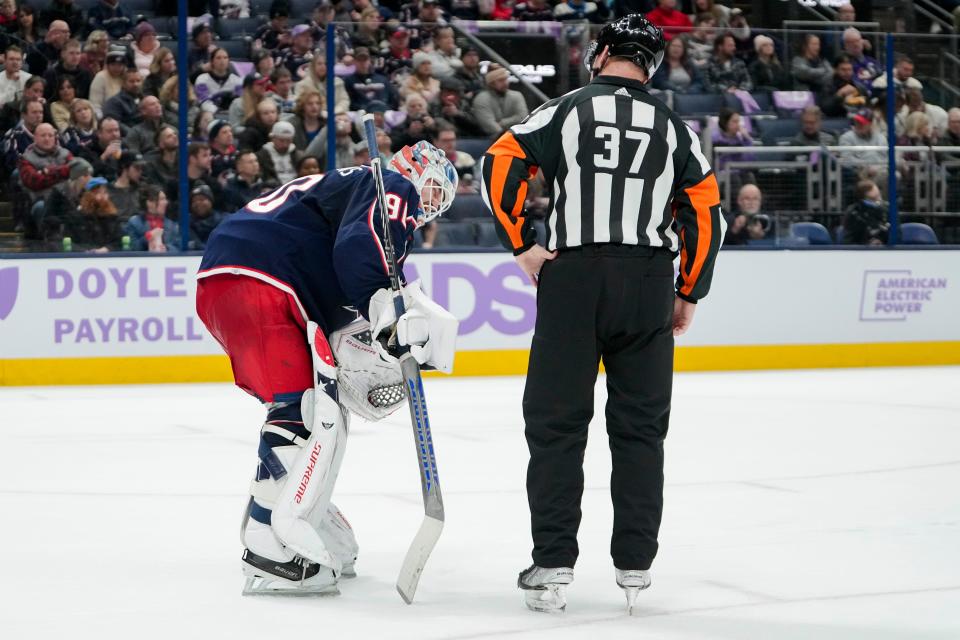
(132, 319)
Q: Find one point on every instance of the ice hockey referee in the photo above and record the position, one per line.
(630, 189)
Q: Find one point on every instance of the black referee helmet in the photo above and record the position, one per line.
(632, 37)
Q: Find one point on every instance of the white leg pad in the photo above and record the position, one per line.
(302, 503)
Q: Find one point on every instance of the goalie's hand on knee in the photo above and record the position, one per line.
(426, 328)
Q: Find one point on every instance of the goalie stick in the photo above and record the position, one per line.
(432, 525)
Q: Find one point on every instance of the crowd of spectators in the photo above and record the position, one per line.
(89, 101)
(89, 108)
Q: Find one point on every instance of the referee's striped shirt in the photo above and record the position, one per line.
(622, 168)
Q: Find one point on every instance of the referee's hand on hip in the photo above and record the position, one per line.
(682, 316)
(531, 261)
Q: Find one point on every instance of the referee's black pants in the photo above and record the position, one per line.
(613, 302)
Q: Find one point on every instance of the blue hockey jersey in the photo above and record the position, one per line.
(319, 239)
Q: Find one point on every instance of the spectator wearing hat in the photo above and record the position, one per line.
(64, 10)
(105, 149)
(737, 27)
(223, 152)
(725, 71)
(96, 228)
(844, 93)
(534, 11)
(201, 48)
(220, 84)
(125, 105)
(450, 108)
(397, 56)
(125, 190)
(766, 71)
(865, 134)
(60, 204)
(469, 74)
(275, 34)
(255, 89)
(151, 230)
(256, 129)
(145, 46)
(141, 138)
(365, 84)
(316, 80)
(44, 163)
(246, 185)
(68, 67)
(421, 81)
(445, 55)
(109, 16)
(109, 81)
(281, 91)
(279, 157)
(204, 218)
(162, 167)
(46, 53)
(498, 107)
(307, 118)
(667, 17)
(298, 55)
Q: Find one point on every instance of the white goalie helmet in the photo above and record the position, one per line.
(431, 173)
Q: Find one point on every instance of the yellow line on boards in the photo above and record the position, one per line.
(168, 369)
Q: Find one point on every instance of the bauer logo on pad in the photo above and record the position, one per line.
(9, 284)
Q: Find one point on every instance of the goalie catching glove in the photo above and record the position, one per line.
(429, 330)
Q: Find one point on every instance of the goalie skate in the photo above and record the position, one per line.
(632, 582)
(297, 577)
(545, 590)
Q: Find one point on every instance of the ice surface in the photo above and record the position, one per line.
(819, 504)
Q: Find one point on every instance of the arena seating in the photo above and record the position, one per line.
(917, 233)
(813, 232)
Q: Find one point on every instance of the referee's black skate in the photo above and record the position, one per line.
(632, 581)
(545, 590)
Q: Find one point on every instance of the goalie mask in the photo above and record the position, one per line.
(431, 173)
(369, 386)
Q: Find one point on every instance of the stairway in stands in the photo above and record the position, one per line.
(10, 241)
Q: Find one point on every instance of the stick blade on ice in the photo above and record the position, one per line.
(417, 555)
